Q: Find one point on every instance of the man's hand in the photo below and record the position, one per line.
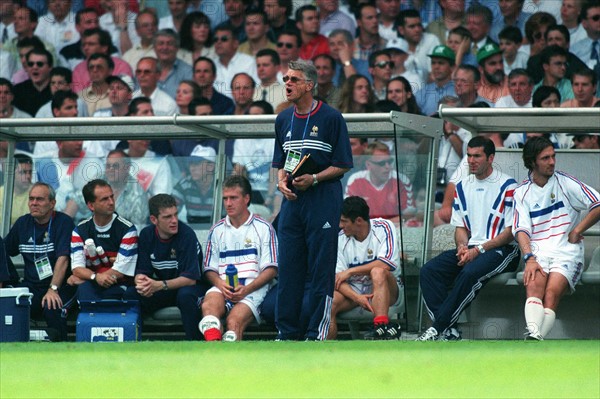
(303, 182)
(74, 280)
(52, 300)
(467, 256)
(225, 289)
(531, 268)
(239, 293)
(287, 193)
(364, 301)
(145, 286)
(341, 277)
(106, 279)
(575, 237)
(345, 53)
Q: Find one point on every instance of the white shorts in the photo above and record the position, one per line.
(252, 300)
(364, 288)
(570, 268)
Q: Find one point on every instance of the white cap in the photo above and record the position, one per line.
(125, 79)
(204, 153)
(398, 44)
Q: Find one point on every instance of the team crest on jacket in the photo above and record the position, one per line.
(369, 253)
(248, 243)
(173, 254)
(314, 132)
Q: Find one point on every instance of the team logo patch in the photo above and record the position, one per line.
(173, 253)
(314, 132)
(248, 243)
(369, 253)
(552, 197)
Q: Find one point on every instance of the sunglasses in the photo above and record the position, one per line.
(538, 35)
(383, 64)
(286, 45)
(595, 18)
(223, 39)
(294, 79)
(38, 64)
(382, 162)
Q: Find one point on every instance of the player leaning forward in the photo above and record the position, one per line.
(548, 206)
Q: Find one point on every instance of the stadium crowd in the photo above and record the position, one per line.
(104, 58)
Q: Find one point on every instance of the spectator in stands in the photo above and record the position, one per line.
(546, 97)
(570, 12)
(23, 47)
(453, 16)
(550, 199)
(367, 271)
(535, 32)
(368, 39)
(588, 48)
(326, 90)
(256, 27)
(494, 83)
(118, 20)
(420, 43)
(512, 15)
(399, 90)
(96, 41)
(172, 69)
(270, 87)
(313, 43)
(520, 88)
(404, 64)
(380, 69)
(42, 237)
(288, 48)
(129, 197)
(58, 25)
(330, 18)
(7, 109)
(479, 23)
(242, 89)
(556, 35)
(341, 45)
(481, 252)
(236, 11)
(239, 301)
(115, 234)
(148, 74)
(35, 92)
(467, 80)
(459, 40)
(230, 61)
(186, 92)
(442, 67)
(278, 15)
(61, 79)
(177, 13)
(589, 141)
(554, 62)
(356, 95)
(146, 26)
(169, 241)
(379, 183)
(388, 12)
(584, 87)
(22, 183)
(510, 42)
(85, 19)
(205, 73)
(100, 67)
(195, 193)
(7, 19)
(196, 38)
(120, 91)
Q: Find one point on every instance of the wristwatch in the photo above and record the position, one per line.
(481, 249)
(315, 181)
(347, 63)
(165, 286)
(54, 287)
(93, 277)
(527, 256)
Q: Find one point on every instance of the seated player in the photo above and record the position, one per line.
(168, 266)
(249, 243)
(367, 272)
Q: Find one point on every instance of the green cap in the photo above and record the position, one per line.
(442, 51)
(487, 51)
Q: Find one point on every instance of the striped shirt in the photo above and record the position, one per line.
(547, 214)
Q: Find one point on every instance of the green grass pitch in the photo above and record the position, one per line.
(345, 369)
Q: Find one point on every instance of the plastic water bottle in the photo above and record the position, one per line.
(232, 275)
(91, 250)
(102, 256)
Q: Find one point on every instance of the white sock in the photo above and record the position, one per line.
(549, 317)
(209, 322)
(534, 314)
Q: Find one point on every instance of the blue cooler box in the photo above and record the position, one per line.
(15, 304)
(109, 321)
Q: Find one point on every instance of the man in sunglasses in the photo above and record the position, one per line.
(288, 48)
(310, 212)
(35, 92)
(588, 49)
(589, 141)
(379, 183)
(380, 69)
